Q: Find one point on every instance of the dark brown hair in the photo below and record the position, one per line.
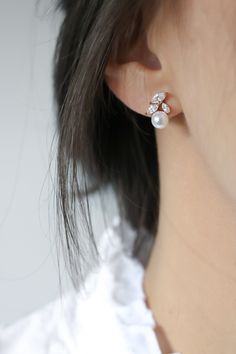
(101, 142)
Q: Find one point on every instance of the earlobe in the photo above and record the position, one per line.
(136, 75)
(136, 86)
(128, 82)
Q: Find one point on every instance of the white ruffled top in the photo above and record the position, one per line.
(109, 315)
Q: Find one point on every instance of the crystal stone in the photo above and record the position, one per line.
(159, 119)
(165, 108)
(159, 97)
(152, 108)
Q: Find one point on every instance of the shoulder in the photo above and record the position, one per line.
(38, 332)
(107, 315)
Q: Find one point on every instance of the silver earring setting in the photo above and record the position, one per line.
(159, 118)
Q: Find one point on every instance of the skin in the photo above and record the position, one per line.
(190, 280)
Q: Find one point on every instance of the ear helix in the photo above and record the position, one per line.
(159, 110)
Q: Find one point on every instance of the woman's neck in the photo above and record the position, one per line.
(190, 280)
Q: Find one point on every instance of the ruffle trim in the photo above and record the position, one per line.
(111, 316)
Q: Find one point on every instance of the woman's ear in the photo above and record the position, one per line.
(135, 74)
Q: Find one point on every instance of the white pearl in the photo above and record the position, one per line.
(160, 119)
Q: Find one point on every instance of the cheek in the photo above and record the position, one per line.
(205, 75)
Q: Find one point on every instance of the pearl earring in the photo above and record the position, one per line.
(159, 118)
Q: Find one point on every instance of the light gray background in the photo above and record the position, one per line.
(28, 270)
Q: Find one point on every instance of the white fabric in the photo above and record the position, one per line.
(109, 315)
